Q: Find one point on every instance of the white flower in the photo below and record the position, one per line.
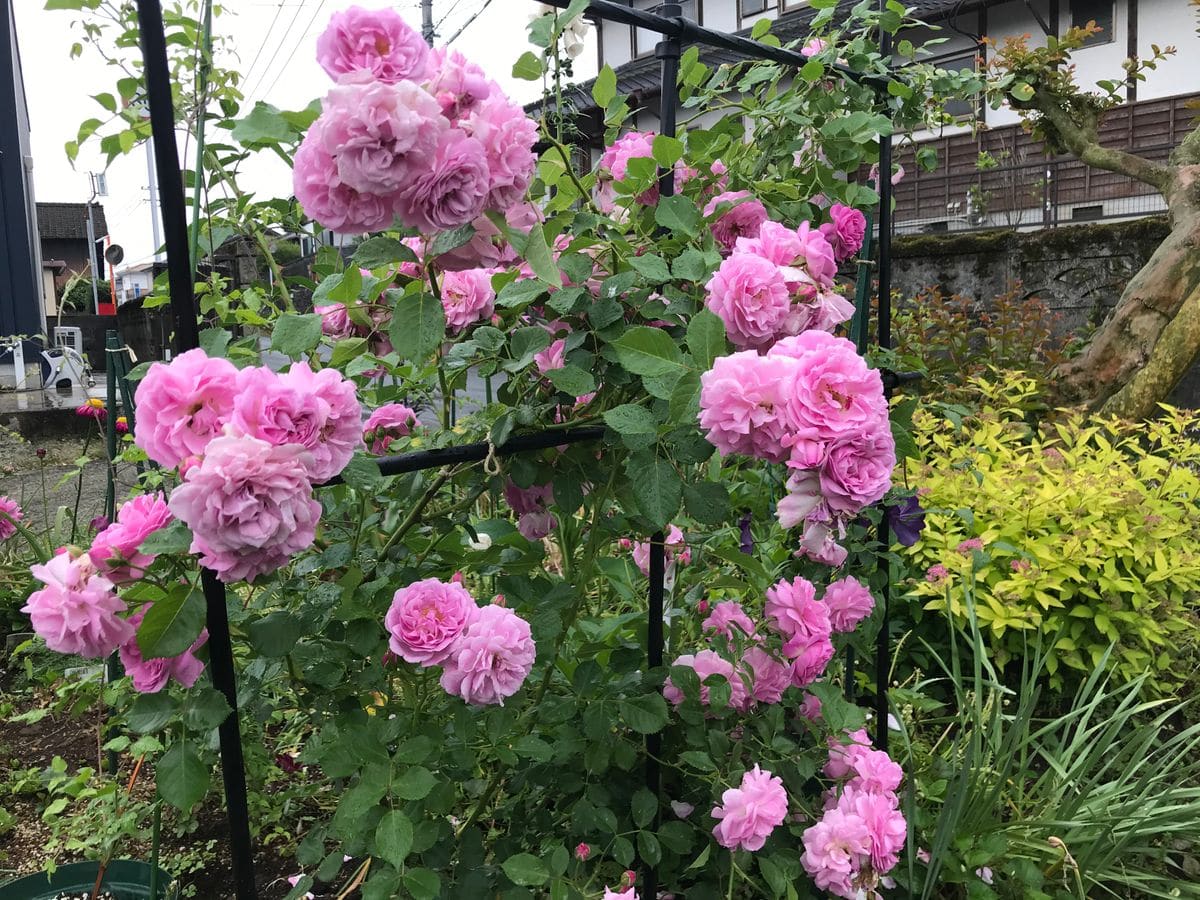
(484, 542)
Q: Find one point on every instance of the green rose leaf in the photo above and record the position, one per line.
(175, 538)
(651, 267)
(150, 712)
(418, 326)
(275, 634)
(706, 338)
(182, 776)
(414, 784)
(394, 837)
(707, 502)
(526, 869)
(572, 380)
(381, 252)
(172, 624)
(295, 335)
(646, 714)
(649, 351)
(656, 487)
(679, 214)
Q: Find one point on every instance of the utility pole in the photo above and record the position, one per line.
(427, 21)
(91, 225)
(153, 175)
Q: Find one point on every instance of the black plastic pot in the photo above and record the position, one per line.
(125, 879)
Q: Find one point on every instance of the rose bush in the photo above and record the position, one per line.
(458, 656)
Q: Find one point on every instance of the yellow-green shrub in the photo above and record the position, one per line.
(1090, 531)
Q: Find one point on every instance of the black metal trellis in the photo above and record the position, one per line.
(675, 31)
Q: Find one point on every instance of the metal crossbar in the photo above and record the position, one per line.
(676, 31)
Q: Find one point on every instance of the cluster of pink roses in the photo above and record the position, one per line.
(78, 611)
(408, 133)
(862, 831)
(805, 626)
(813, 402)
(777, 283)
(249, 444)
(486, 653)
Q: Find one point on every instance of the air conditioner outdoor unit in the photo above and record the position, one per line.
(65, 336)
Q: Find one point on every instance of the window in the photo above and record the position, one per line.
(1098, 11)
(645, 40)
(753, 7)
(961, 109)
(1087, 213)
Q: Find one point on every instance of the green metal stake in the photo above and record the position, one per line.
(155, 827)
(112, 346)
(862, 292)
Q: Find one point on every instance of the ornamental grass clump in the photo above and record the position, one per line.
(1079, 537)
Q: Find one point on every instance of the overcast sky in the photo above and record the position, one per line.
(285, 74)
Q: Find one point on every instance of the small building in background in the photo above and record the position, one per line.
(63, 235)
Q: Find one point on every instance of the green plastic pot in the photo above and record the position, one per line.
(125, 879)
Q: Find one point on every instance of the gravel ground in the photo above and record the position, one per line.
(24, 477)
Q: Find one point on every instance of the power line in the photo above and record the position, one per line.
(453, 6)
(303, 34)
(466, 24)
(266, 40)
(278, 47)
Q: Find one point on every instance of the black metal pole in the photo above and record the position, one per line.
(668, 52)
(187, 336)
(882, 643)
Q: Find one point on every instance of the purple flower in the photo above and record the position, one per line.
(747, 543)
(906, 519)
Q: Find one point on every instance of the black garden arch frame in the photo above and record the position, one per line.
(675, 31)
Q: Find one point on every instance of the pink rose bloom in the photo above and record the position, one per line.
(426, 619)
(375, 41)
(552, 357)
(452, 190)
(534, 520)
(818, 544)
(810, 707)
(845, 232)
(335, 320)
(771, 677)
(467, 297)
(631, 145)
(706, 663)
(182, 405)
(858, 470)
(492, 658)
(151, 675)
(383, 136)
(750, 813)
(384, 425)
(803, 496)
(796, 614)
(874, 772)
(803, 251)
(509, 136)
(115, 550)
(623, 894)
(751, 297)
(844, 754)
(10, 515)
(813, 47)
(833, 393)
(849, 602)
(885, 824)
(458, 84)
(76, 611)
(742, 219)
(326, 199)
(249, 505)
(674, 548)
(812, 655)
(339, 414)
(742, 400)
(727, 615)
(835, 850)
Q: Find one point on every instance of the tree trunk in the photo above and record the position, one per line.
(1152, 335)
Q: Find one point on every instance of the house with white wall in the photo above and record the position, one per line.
(990, 172)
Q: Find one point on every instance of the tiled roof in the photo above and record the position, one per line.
(640, 77)
(68, 221)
